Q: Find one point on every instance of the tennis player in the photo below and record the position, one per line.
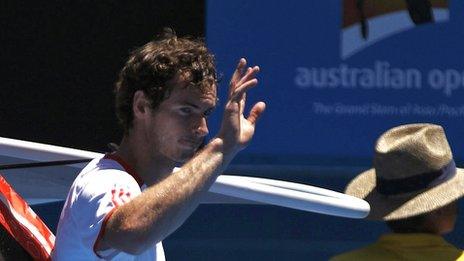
(121, 206)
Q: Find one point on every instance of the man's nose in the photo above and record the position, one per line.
(202, 128)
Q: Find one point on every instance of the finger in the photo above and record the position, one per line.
(250, 74)
(237, 93)
(239, 69)
(240, 82)
(242, 103)
(256, 112)
(237, 73)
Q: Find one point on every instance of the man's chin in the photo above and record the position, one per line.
(185, 157)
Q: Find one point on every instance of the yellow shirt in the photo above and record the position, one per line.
(405, 247)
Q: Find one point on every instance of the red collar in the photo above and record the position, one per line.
(128, 168)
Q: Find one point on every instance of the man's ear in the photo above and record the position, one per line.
(140, 104)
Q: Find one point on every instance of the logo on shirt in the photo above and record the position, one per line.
(120, 196)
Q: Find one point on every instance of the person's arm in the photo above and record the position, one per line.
(163, 207)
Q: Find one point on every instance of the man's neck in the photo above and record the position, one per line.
(149, 168)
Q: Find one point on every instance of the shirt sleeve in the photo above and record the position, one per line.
(96, 200)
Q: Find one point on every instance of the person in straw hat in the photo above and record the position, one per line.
(414, 187)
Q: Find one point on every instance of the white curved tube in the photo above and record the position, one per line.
(41, 152)
(297, 187)
(261, 190)
(325, 201)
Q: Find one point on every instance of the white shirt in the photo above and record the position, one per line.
(104, 184)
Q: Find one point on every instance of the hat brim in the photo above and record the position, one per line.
(405, 205)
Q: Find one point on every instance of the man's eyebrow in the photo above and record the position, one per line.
(191, 104)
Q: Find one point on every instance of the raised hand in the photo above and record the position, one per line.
(236, 130)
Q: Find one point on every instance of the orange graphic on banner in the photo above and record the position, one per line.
(23, 224)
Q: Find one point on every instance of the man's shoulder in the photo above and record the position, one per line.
(103, 167)
(102, 174)
(101, 163)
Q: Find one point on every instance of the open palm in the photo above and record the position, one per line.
(236, 130)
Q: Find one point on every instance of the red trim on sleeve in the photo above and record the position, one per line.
(102, 231)
(128, 168)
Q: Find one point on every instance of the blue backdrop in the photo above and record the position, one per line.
(330, 93)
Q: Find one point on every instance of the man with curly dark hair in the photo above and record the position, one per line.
(123, 205)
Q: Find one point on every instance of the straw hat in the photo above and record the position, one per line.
(414, 173)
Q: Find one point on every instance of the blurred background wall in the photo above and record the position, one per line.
(60, 60)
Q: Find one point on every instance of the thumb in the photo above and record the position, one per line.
(256, 112)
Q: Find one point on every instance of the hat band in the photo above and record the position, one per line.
(417, 182)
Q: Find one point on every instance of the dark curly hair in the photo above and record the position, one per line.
(151, 67)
